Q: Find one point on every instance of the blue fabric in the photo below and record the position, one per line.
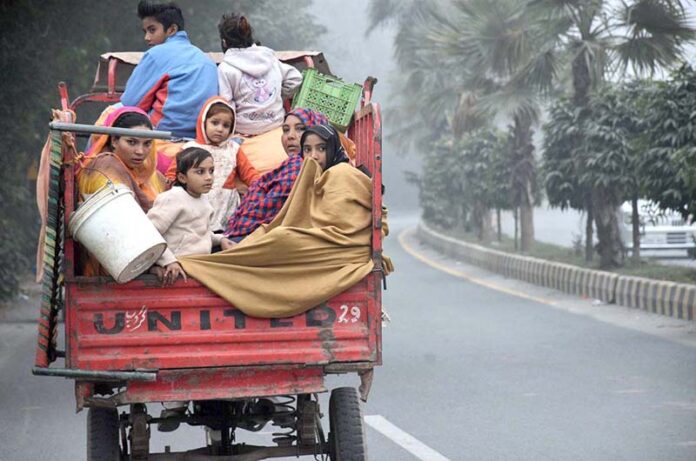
(188, 76)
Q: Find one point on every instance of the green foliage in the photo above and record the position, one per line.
(670, 162)
(495, 60)
(601, 36)
(484, 167)
(561, 164)
(465, 63)
(465, 178)
(598, 147)
(611, 129)
(441, 187)
(43, 43)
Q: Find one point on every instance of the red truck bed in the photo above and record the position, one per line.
(140, 325)
(188, 343)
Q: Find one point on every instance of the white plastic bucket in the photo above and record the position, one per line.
(114, 229)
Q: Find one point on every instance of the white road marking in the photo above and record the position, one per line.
(403, 439)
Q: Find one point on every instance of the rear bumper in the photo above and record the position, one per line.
(223, 383)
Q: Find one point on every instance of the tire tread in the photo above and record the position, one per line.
(347, 424)
(103, 435)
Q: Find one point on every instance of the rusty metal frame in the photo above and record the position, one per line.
(95, 375)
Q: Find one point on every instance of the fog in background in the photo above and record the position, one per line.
(353, 55)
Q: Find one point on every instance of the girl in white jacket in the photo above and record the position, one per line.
(183, 214)
(252, 79)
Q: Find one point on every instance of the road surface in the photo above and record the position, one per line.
(476, 367)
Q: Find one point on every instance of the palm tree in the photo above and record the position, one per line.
(426, 98)
(602, 39)
(430, 104)
(494, 54)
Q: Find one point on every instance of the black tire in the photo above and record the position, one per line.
(347, 437)
(103, 435)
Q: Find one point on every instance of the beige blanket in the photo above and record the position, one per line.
(317, 247)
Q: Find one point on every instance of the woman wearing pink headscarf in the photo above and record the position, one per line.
(125, 160)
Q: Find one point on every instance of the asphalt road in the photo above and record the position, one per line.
(470, 373)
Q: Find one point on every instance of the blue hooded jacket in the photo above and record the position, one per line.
(171, 83)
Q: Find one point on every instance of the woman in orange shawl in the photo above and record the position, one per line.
(125, 160)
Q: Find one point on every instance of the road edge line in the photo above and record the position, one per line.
(441, 267)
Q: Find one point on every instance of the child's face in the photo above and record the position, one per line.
(199, 179)
(315, 147)
(293, 128)
(154, 31)
(132, 151)
(218, 127)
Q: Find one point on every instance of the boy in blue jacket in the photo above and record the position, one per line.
(174, 78)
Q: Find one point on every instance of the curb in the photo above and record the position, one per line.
(672, 299)
(666, 298)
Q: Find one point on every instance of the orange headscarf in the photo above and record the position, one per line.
(201, 137)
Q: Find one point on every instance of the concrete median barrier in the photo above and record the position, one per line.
(660, 297)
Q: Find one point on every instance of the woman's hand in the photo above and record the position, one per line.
(226, 244)
(171, 273)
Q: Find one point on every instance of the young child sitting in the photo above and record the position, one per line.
(255, 82)
(182, 214)
(214, 128)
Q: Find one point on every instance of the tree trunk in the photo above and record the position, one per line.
(635, 227)
(463, 216)
(515, 214)
(582, 80)
(582, 83)
(523, 179)
(526, 227)
(610, 247)
(482, 223)
(589, 233)
(500, 226)
(486, 227)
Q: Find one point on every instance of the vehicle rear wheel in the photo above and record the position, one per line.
(103, 435)
(347, 437)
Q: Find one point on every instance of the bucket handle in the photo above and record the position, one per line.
(109, 183)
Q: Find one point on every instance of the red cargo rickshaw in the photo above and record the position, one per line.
(130, 344)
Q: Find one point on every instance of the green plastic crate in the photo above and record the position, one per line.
(328, 95)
